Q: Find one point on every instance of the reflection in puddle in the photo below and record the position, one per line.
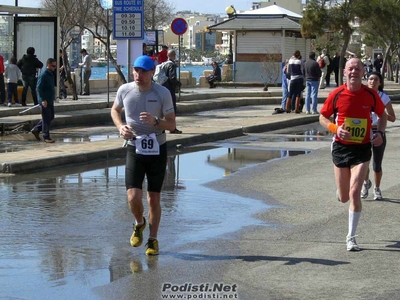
(20, 142)
(66, 231)
(237, 158)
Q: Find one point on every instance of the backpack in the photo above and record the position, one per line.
(160, 76)
(321, 62)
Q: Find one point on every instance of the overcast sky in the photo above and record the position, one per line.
(203, 6)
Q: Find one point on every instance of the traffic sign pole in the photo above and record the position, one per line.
(179, 26)
(179, 73)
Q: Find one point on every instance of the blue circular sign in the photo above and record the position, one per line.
(179, 26)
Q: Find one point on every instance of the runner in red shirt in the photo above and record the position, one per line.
(352, 104)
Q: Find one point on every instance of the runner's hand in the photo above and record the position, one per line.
(146, 118)
(342, 133)
(126, 132)
(377, 139)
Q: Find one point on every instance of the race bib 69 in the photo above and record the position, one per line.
(147, 145)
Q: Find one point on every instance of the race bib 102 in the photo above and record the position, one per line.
(357, 128)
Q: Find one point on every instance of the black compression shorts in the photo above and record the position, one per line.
(138, 165)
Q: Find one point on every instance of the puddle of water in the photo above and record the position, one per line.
(20, 142)
(67, 231)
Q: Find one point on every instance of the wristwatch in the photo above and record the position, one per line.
(157, 121)
(381, 132)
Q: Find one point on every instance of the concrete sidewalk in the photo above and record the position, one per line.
(197, 127)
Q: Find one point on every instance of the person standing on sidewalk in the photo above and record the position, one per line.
(46, 93)
(86, 64)
(313, 75)
(172, 83)
(63, 76)
(163, 54)
(29, 65)
(285, 91)
(148, 113)
(378, 63)
(296, 71)
(375, 81)
(2, 85)
(352, 104)
(13, 74)
(323, 62)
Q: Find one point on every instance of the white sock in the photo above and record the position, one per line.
(353, 222)
(137, 223)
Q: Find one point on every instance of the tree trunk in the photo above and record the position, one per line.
(346, 37)
(71, 83)
(385, 60)
(389, 65)
(118, 69)
(396, 78)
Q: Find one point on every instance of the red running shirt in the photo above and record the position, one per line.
(354, 109)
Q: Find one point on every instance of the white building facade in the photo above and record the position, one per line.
(262, 40)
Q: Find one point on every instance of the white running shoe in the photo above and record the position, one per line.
(366, 186)
(352, 244)
(377, 193)
(17, 104)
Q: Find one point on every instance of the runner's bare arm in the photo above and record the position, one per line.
(168, 123)
(391, 116)
(324, 121)
(116, 115)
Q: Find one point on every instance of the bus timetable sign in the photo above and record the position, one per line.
(128, 19)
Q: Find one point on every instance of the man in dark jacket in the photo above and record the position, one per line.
(28, 65)
(45, 88)
(378, 63)
(172, 83)
(313, 76)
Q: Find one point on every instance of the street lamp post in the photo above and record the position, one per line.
(230, 11)
(107, 5)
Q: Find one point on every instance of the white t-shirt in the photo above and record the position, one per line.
(385, 99)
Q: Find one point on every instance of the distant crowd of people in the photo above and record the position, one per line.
(27, 70)
(313, 74)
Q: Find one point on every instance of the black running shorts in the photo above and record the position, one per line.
(153, 166)
(345, 156)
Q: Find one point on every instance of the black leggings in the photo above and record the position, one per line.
(377, 153)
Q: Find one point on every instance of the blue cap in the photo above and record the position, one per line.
(144, 62)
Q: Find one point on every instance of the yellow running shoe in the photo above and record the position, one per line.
(137, 235)
(152, 247)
